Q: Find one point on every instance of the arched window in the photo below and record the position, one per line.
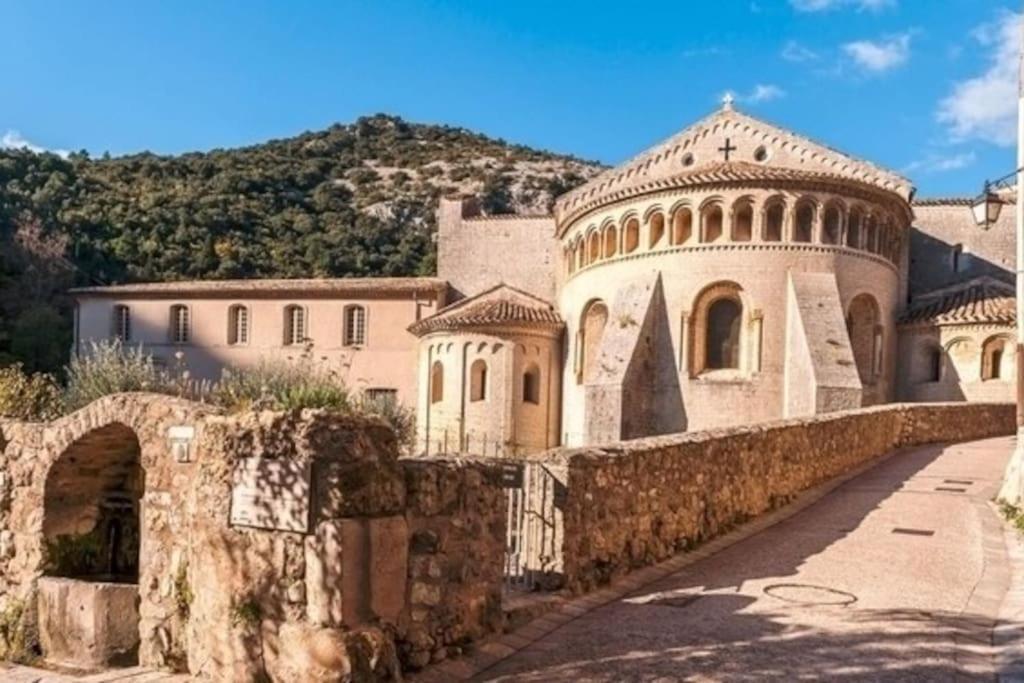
(355, 326)
(294, 325)
(478, 380)
(833, 227)
(531, 384)
(611, 244)
(592, 325)
(993, 359)
(682, 226)
(957, 258)
(436, 382)
(581, 253)
(180, 332)
(723, 335)
(631, 236)
(718, 332)
(711, 223)
(238, 325)
(862, 326)
(593, 247)
(122, 323)
(853, 230)
(936, 359)
(774, 219)
(743, 221)
(657, 229)
(871, 234)
(803, 230)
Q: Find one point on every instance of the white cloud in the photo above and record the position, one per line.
(985, 107)
(937, 163)
(795, 52)
(763, 93)
(12, 139)
(880, 55)
(825, 5)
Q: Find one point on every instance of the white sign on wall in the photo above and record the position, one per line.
(180, 438)
(270, 494)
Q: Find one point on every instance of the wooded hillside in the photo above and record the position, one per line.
(352, 200)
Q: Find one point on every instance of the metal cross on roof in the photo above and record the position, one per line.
(727, 149)
(727, 100)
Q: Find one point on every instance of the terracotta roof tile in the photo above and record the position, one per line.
(272, 287)
(981, 300)
(500, 305)
(717, 172)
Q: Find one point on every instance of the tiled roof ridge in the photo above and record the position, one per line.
(942, 201)
(499, 304)
(613, 179)
(717, 172)
(979, 300)
(263, 285)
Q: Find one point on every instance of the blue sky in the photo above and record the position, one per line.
(926, 87)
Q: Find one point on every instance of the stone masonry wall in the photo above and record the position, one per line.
(456, 514)
(635, 503)
(402, 557)
(28, 454)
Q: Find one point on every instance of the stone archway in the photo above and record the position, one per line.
(91, 506)
(68, 478)
(92, 532)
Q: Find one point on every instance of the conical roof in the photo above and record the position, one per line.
(498, 306)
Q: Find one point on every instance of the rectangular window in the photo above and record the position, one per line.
(179, 324)
(294, 325)
(122, 323)
(355, 326)
(382, 396)
(238, 325)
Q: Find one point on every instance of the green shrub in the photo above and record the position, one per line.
(108, 368)
(28, 397)
(19, 636)
(280, 385)
(246, 612)
(400, 418)
(183, 595)
(73, 555)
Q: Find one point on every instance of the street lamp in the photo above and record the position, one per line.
(987, 206)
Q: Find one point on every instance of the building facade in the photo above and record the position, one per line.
(734, 273)
(356, 328)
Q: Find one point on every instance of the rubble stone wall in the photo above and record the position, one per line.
(401, 557)
(456, 515)
(28, 454)
(634, 503)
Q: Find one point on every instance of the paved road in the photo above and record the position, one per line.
(895, 575)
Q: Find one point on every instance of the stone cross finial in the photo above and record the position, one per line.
(727, 101)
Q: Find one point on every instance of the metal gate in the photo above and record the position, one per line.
(533, 502)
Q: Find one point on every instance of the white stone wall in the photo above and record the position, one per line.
(502, 423)
(961, 374)
(759, 268)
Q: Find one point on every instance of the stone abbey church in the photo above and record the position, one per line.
(734, 273)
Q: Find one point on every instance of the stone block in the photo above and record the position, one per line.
(87, 624)
(300, 652)
(356, 571)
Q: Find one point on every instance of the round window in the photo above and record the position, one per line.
(688, 159)
(761, 154)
